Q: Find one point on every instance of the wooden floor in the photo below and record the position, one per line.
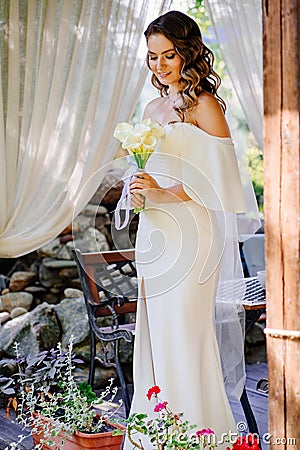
(9, 429)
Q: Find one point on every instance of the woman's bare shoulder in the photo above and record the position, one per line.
(209, 116)
(152, 106)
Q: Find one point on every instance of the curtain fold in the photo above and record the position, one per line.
(70, 70)
(238, 28)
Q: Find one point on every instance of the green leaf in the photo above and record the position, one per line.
(118, 432)
(141, 416)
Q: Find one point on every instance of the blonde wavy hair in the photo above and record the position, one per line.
(197, 74)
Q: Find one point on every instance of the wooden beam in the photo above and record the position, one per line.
(282, 215)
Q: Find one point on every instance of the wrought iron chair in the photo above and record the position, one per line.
(109, 286)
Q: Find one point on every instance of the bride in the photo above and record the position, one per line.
(193, 192)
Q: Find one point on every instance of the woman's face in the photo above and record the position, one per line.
(163, 61)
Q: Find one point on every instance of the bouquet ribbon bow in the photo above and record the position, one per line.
(140, 141)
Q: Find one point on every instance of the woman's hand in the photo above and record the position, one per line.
(137, 200)
(142, 185)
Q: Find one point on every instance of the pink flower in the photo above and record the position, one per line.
(153, 390)
(160, 406)
(176, 417)
(200, 432)
(204, 431)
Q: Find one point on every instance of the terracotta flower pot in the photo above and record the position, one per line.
(79, 440)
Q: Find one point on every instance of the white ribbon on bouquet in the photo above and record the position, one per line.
(125, 198)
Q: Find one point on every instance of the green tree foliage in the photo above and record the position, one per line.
(255, 162)
(197, 10)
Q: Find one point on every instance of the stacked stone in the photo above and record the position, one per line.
(54, 269)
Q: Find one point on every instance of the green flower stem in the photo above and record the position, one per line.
(141, 160)
(136, 445)
(138, 210)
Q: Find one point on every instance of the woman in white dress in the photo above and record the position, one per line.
(190, 182)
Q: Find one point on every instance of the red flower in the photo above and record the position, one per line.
(160, 406)
(249, 442)
(154, 390)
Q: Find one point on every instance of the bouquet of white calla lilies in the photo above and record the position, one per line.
(139, 140)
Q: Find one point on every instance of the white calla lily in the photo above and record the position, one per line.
(122, 131)
(141, 129)
(157, 130)
(132, 140)
(139, 140)
(149, 143)
(134, 148)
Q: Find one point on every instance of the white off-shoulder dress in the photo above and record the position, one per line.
(179, 250)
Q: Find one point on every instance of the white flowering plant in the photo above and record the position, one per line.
(57, 410)
(140, 141)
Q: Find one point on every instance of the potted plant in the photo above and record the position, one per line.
(60, 412)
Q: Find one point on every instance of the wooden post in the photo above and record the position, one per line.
(282, 216)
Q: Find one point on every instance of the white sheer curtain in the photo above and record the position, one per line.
(70, 70)
(238, 28)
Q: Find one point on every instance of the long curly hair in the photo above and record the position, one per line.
(197, 74)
